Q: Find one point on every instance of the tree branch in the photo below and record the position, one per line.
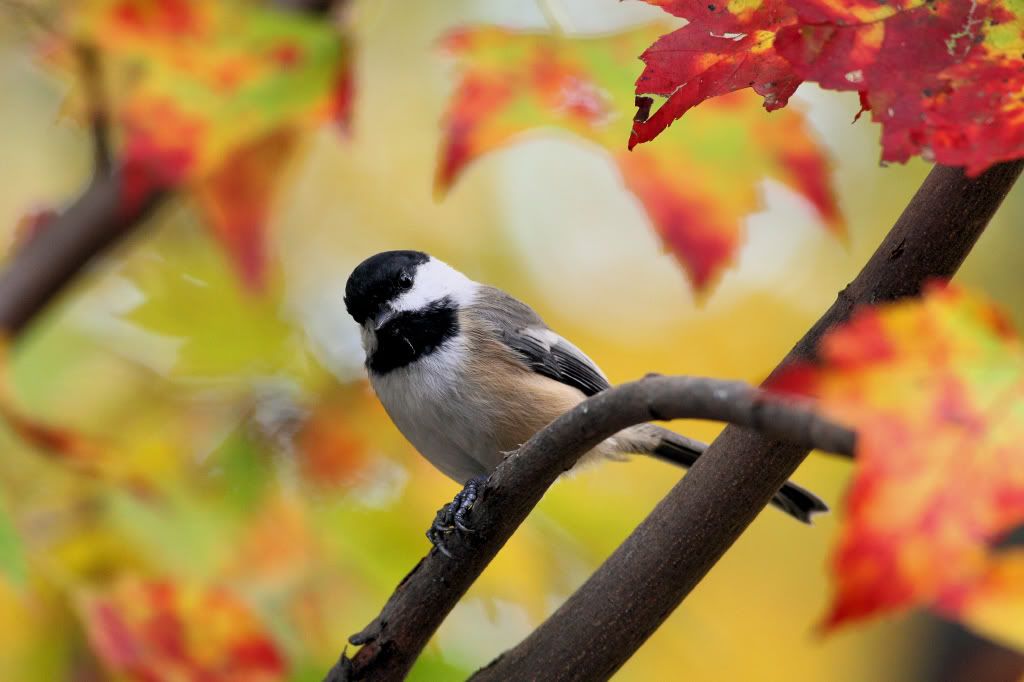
(601, 625)
(62, 248)
(310, 6)
(95, 222)
(95, 95)
(424, 597)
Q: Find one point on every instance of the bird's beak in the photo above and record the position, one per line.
(383, 317)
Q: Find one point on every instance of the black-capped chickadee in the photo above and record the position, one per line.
(468, 374)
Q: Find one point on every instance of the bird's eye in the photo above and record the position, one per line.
(405, 279)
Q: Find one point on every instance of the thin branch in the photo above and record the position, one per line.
(600, 626)
(96, 101)
(310, 6)
(395, 638)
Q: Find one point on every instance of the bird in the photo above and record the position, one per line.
(468, 373)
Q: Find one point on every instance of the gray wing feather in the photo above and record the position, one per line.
(520, 328)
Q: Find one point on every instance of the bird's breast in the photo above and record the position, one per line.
(465, 406)
(428, 402)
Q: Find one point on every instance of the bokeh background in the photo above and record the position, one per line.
(244, 452)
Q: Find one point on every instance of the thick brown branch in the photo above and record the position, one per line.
(600, 626)
(424, 597)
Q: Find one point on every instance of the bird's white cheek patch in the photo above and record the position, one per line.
(434, 280)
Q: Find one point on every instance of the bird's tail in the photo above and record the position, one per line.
(798, 502)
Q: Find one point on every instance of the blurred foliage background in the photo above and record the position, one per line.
(243, 451)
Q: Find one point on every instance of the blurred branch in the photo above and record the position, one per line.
(395, 638)
(95, 97)
(63, 247)
(604, 622)
(311, 6)
(95, 222)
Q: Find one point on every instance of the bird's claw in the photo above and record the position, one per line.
(452, 517)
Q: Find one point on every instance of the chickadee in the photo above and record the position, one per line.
(468, 374)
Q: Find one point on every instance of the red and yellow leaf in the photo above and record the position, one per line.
(211, 96)
(237, 198)
(725, 47)
(150, 630)
(696, 189)
(943, 78)
(133, 455)
(77, 450)
(994, 606)
(935, 390)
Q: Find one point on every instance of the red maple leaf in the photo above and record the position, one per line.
(150, 630)
(943, 78)
(720, 51)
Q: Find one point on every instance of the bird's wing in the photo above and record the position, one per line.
(540, 348)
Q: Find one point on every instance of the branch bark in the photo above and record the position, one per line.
(601, 625)
(395, 638)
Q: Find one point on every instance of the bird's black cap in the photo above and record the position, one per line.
(380, 279)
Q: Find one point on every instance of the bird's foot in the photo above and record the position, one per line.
(452, 517)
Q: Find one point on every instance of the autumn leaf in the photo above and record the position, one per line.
(725, 47)
(237, 198)
(337, 439)
(149, 630)
(80, 452)
(696, 188)
(276, 547)
(995, 605)
(189, 296)
(935, 389)
(212, 96)
(943, 78)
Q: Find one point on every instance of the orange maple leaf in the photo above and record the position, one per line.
(935, 389)
(212, 98)
(150, 630)
(696, 188)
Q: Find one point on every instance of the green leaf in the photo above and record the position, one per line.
(13, 565)
(191, 295)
